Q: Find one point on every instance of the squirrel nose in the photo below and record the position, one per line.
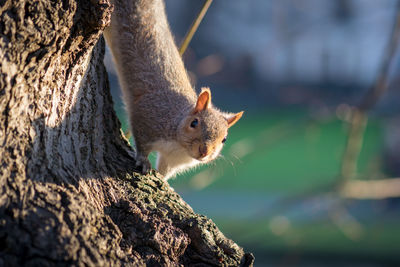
(203, 149)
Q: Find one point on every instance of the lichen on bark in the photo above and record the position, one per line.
(69, 194)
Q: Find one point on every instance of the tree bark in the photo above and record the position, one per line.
(68, 192)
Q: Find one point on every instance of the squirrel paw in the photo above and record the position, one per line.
(143, 165)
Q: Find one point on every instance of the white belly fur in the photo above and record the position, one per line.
(174, 156)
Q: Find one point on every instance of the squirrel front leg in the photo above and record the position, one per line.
(142, 160)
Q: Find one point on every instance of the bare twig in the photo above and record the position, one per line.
(353, 145)
(381, 84)
(359, 115)
(193, 28)
(377, 189)
(345, 221)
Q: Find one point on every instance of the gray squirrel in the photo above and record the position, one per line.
(165, 113)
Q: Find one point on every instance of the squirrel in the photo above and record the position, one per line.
(165, 113)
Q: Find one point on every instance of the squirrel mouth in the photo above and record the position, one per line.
(201, 158)
(204, 158)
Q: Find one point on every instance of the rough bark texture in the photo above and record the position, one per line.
(68, 191)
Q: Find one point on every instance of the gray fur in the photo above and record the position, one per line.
(156, 89)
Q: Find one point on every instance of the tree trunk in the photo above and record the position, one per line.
(68, 191)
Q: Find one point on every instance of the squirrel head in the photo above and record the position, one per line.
(204, 129)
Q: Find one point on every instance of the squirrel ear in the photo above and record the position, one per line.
(204, 100)
(232, 119)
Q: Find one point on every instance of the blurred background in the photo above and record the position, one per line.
(310, 176)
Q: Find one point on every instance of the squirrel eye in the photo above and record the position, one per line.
(194, 123)
(224, 140)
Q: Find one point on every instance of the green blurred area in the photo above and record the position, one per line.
(254, 192)
(284, 152)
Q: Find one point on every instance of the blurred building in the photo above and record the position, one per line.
(333, 48)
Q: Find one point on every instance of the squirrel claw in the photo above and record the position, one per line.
(144, 165)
